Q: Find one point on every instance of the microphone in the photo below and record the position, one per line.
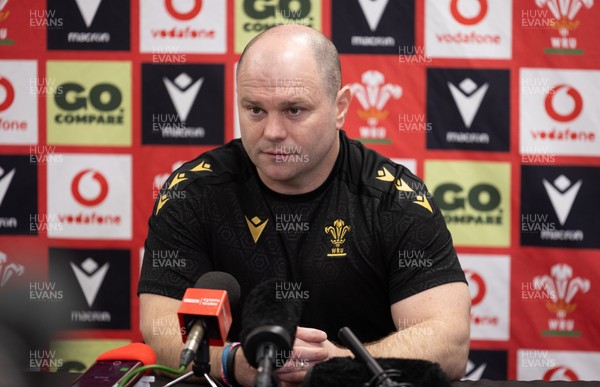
(268, 330)
(348, 372)
(113, 366)
(205, 312)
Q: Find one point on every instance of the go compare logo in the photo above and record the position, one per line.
(474, 198)
(254, 16)
(94, 105)
(106, 98)
(483, 198)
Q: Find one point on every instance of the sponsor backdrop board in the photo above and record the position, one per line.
(492, 102)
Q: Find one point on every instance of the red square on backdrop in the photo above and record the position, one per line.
(387, 112)
(553, 299)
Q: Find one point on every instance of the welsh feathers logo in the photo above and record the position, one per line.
(338, 232)
(373, 94)
(4, 32)
(8, 270)
(562, 287)
(565, 13)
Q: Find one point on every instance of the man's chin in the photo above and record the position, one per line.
(277, 174)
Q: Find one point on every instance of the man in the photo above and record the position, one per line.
(297, 200)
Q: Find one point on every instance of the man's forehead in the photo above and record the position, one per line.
(267, 57)
(282, 100)
(273, 67)
(279, 79)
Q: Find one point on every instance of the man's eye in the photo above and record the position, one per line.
(294, 111)
(255, 110)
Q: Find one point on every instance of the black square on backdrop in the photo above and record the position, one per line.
(369, 27)
(469, 109)
(18, 195)
(559, 206)
(487, 364)
(183, 104)
(92, 276)
(109, 27)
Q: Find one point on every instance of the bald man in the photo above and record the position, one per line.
(357, 236)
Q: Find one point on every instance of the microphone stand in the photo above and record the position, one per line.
(266, 374)
(201, 366)
(381, 377)
(202, 359)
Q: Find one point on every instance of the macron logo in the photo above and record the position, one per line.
(183, 93)
(88, 9)
(90, 278)
(474, 373)
(468, 98)
(562, 195)
(373, 10)
(5, 183)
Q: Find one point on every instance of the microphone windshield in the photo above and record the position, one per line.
(265, 318)
(347, 372)
(219, 280)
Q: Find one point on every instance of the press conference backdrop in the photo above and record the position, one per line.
(494, 103)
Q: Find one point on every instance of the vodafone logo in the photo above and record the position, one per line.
(458, 12)
(91, 196)
(477, 286)
(8, 96)
(549, 103)
(182, 10)
(560, 373)
(488, 277)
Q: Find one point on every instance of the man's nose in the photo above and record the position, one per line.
(274, 128)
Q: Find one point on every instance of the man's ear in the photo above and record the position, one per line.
(342, 103)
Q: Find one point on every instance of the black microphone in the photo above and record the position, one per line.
(348, 372)
(268, 330)
(205, 312)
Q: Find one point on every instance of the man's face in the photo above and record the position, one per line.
(287, 120)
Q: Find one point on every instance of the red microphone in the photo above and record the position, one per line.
(205, 312)
(114, 365)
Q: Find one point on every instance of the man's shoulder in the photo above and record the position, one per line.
(392, 183)
(217, 166)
